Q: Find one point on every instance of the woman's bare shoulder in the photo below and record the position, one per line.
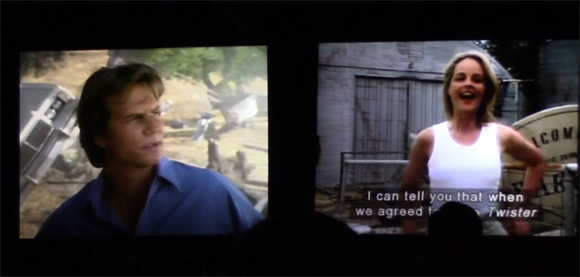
(422, 146)
(426, 136)
(505, 131)
(424, 141)
(502, 127)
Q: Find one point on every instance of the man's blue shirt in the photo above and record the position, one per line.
(183, 200)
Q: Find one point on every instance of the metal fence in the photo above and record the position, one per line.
(362, 170)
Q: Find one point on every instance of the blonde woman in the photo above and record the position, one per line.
(463, 154)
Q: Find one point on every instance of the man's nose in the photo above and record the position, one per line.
(154, 125)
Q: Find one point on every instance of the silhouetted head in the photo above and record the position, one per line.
(455, 221)
(300, 243)
(455, 231)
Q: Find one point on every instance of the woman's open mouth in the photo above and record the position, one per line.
(467, 96)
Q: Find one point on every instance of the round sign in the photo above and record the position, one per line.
(555, 132)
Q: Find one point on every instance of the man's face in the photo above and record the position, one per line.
(135, 131)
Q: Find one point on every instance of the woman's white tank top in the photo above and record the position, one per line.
(466, 174)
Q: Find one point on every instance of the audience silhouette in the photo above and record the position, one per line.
(456, 232)
(300, 243)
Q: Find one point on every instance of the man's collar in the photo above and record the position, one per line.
(164, 170)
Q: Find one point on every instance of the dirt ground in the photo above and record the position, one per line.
(41, 202)
(189, 99)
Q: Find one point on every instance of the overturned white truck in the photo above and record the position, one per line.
(47, 120)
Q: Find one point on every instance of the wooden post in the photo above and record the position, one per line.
(235, 167)
(241, 166)
(213, 156)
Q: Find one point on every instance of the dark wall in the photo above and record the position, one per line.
(558, 72)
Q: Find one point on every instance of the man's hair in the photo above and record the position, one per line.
(93, 112)
(485, 111)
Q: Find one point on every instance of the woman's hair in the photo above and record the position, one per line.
(93, 113)
(485, 111)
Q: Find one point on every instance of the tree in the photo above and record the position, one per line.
(237, 65)
(521, 59)
(38, 63)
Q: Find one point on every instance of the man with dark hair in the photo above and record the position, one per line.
(139, 191)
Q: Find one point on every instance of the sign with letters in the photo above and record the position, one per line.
(555, 133)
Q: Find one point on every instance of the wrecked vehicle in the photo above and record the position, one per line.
(47, 119)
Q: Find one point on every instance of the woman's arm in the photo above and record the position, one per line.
(415, 171)
(515, 145)
(520, 149)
